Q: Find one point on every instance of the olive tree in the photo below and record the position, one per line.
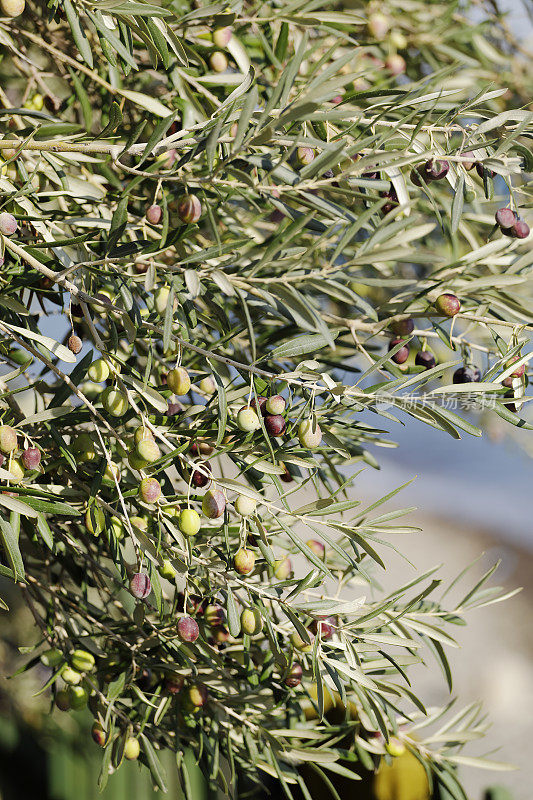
(238, 244)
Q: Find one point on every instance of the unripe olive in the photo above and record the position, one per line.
(62, 700)
(425, 359)
(132, 748)
(300, 644)
(70, 676)
(142, 433)
(244, 561)
(395, 63)
(8, 439)
(95, 520)
(189, 208)
(139, 522)
(82, 661)
(247, 420)
(208, 385)
(378, 25)
(214, 615)
(140, 585)
(401, 356)
(398, 40)
(16, 470)
(275, 405)
(245, 505)
(218, 62)
(161, 296)
(178, 381)
(167, 571)
(213, 504)
(115, 402)
(99, 370)
(447, 304)
(309, 433)
(197, 695)
(282, 568)
(52, 658)
(91, 390)
(153, 214)
(8, 223)
(31, 458)
(251, 622)
(13, 8)
(189, 522)
(221, 36)
(112, 472)
(135, 461)
(83, 448)
(275, 424)
(150, 490)
(316, 547)
(188, 629)
(395, 747)
(304, 156)
(294, 675)
(74, 344)
(98, 734)
(148, 450)
(171, 510)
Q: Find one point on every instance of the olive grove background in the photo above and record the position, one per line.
(217, 205)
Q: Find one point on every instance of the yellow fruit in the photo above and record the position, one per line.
(178, 381)
(404, 779)
(12, 8)
(132, 749)
(16, 469)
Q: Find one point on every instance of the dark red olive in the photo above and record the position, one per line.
(480, 169)
(275, 424)
(403, 327)
(425, 359)
(506, 218)
(403, 353)
(520, 229)
(466, 375)
(294, 676)
(198, 479)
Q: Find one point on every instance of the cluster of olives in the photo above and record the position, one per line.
(510, 224)
(272, 410)
(18, 460)
(446, 305)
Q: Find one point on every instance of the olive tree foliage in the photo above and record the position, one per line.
(217, 205)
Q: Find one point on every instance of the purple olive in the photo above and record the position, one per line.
(403, 353)
(506, 218)
(188, 629)
(466, 375)
(31, 458)
(140, 585)
(425, 359)
(275, 424)
(294, 676)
